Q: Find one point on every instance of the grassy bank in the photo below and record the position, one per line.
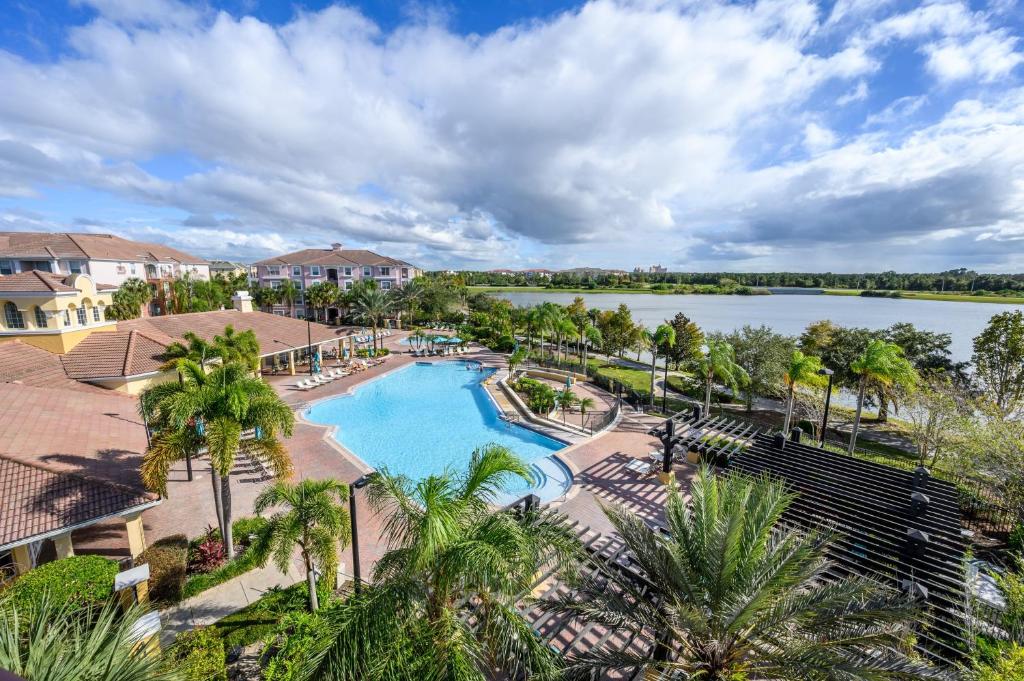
(925, 295)
(680, 290)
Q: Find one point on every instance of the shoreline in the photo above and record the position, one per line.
(930, 295)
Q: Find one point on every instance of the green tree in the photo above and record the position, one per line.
(288, 292)
(689, 340)
(565, 399)
(800, 370)
(409, 298)
(719, 362)
(662, 337)
(129, 298)
(449, 553)
(585, 404)
(320, 296)
(195, 349)
(999, 360)
(591, 338)
(763, 354)
(517, 357)
(314, 519)
(238, 346)
(52, 643)
(934, 416)
(228, 412)
(371, 306)
(264, 296)
(732, 594)
(883, 364)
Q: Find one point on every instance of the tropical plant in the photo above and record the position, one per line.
(195, 349)
(565, 399)
(129, 298)
(229, 412)
(234, 346)
(50, 642)
(450, 557)
(999, 360)
(764, 355)
(689, 339)
(314, 519)
(265, 297)
(732, 594)
(288, 292)
(322, 295)
(371, 306)
(663, 337)
(934, 416)
(409, 297)
(800, 370)
(719, 361)
(881, 364)
(517, 357)
(75, 582)
(585, 404)
(591, 338)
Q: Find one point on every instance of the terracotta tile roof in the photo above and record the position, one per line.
(35, 500)
(28, 365)
(83, 245)
(328, 256)
(35, 281)
(97, 433)
(125, 352)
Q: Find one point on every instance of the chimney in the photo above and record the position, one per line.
(242, 301)
(335, 247)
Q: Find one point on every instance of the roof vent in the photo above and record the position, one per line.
(916, 590)
(921, 475)
(335, 247)
(919, 503)
(917, 541)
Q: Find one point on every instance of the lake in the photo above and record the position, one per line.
(790, 314)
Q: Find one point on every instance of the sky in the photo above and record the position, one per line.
(843, 136)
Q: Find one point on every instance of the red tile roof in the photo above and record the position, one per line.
(28, 365)
(125, 352)
(48, 245)
(338, 257)
(35, 281)
(36, 501)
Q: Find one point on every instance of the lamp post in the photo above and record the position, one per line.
(828, 401)
(358, 484)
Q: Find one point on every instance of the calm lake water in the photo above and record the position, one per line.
(790, 314)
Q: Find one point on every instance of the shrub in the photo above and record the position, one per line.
(1008, 665)
(244, 560)
(503, 344)
(198, 655)
(208, 554)
(168, 562)
(79, 581)
(1016, 540)
(295, 639)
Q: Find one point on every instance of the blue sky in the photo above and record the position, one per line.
(779, 134)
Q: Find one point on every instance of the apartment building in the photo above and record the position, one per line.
(338, 265)
(104, 257)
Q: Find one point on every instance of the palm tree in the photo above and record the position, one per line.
(801, 370)
(315, 520)
(565, 399)
(288, 293)
(321, 296)
(591, 336)
(720, 362)
(585, 404)
(663, 337)
(195, 349)
(517, 357)
(733, 594)
(882, 364)
(233, 346)
(264, 297)
(566, 330)
(371, 306)
(408, 298)
(230, 413)
(53, 642)
(450, 555)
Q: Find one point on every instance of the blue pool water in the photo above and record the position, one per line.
(424, 418)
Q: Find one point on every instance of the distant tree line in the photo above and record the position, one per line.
(958, 280)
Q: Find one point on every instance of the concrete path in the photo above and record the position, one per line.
(224, 599)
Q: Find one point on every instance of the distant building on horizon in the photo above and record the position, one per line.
(653, 269)
(338, 265)
(227, 268)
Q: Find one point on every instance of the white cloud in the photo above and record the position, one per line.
(857, 94)
(986, 57)
(818, 138)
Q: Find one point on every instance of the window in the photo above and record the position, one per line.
(275, 284)
(40, 318)
(103, 311)
(405, 273)
(133, 268)
(348, 271)
(348, 285)
(76, 266)
(82, 319)
(273, 271)
(385, 271)
(6, 267)
(13, 317)
(67, 318)
(296, 270)
(96, 314)
(367, 271)
(385, 284)
(314, 270)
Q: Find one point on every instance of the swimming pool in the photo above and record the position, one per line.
(426, 417)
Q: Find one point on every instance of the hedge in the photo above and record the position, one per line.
(198, 655)
(168, 562)
(80, 581)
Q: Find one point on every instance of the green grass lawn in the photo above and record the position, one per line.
(925, 295)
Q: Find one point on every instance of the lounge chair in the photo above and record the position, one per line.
(302, 385)
(638, 466)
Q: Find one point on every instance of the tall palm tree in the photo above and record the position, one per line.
(591, 337)
(720, 362)
(409, 297)
(321, 296)
(733, 594)
(450, 555)
(517, 357)
(566, 330)
(288, 293)
(662, 337)
(195, 349)
(371, 306)
(264, 297)
(235, 346)
(565, 399)
(54, 643)
(881, 364)
(314, 519)
(585, 404)
(226, 411)
(801, 370)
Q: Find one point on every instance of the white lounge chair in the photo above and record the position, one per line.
(639, 467)
(302, 385)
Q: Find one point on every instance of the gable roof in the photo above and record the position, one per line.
(343, 257)
(36, 502)
(26, 364)
(125, 352)
(48, 245)
(36, 281)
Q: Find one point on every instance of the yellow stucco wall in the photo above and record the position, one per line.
(61, 340)
(57, 336)
(135, 385)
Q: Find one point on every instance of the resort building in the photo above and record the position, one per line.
(227, 269)
(54, 312)
(105, 257)
(337, 265)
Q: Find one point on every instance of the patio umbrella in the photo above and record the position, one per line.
(316, 363)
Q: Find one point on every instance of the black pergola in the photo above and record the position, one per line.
(714, 440)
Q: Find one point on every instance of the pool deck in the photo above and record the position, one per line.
(597, 464)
